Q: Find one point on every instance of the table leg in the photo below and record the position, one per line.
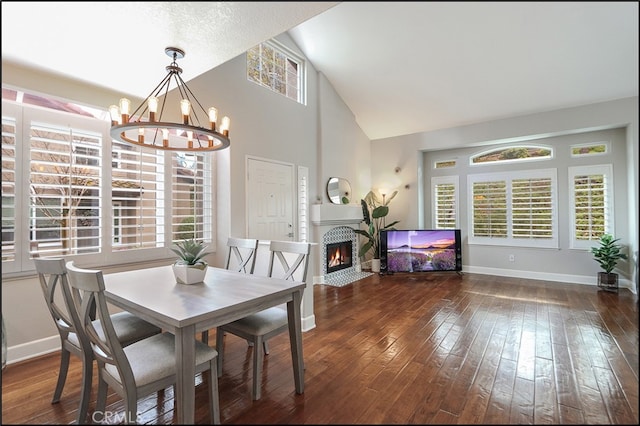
(295, 337)
(185, 374)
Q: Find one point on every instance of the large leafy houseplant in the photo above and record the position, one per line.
(190, 268)
(374, 212)
(607, 254)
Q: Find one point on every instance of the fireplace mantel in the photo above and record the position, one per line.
(336, 214)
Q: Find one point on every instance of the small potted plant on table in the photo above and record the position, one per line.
(607, 255)
(190, 268)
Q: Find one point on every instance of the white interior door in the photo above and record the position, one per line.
(270, 206)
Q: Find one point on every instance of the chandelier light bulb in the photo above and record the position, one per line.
(185, 107)
(213, 117)
(224, 126)
(125, 104)
(165, 137)
(114, 112)
(153, 108)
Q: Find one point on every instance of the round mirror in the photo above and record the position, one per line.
(339, 190)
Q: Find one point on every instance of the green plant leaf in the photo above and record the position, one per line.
(380, 211)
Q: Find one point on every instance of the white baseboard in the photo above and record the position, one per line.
(545, 276)
(33, 349)
(308, 323)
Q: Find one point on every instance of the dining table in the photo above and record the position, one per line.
(184, 310)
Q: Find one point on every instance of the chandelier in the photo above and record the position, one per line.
(153, 132)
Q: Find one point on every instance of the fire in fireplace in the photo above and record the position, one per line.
(339, 256)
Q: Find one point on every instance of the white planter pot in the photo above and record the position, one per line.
(190, 274)
(375, 265)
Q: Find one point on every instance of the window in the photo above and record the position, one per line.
(192, 202)
(275, 67)
(445, 164)
(514, 208)
(512, 154)
(445, 202)
(596, 148)
(84, 194)
(591, 199)
(64, 188)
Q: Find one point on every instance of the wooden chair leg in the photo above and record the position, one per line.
(87, 378)
(131, 409)
(101, 401)
(62, 375)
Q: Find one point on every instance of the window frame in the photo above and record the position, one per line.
(445, 180)
(290, 55)
(25, 115)
(508, 177)
(609, 226)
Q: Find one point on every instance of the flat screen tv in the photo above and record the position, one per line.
(420, 250)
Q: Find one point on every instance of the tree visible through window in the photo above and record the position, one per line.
(512, 153)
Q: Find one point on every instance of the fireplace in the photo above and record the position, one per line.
(339, 256)
(339, 264)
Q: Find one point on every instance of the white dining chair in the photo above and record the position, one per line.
(129, 328)
(241, 257)
(259, 327)
(139, 369)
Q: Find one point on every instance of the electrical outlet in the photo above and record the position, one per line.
(512, 258)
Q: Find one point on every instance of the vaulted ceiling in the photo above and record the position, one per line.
(401, 67)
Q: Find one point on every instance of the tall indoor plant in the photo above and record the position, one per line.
(607, 254)
(374, 212)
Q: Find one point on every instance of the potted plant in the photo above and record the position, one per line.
(190, 268)
(607, 255)
(374, 212)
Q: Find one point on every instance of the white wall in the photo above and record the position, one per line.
(407, 152)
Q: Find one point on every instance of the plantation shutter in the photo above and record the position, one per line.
(65, 186)
(490, 209)
(192, 197)
(591, 199)
(8, 190)
(138, 197)
(532, 208)
(445, 205)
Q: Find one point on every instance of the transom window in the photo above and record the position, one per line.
(275, 67)
(512, 154)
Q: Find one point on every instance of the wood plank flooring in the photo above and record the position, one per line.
(435, 348)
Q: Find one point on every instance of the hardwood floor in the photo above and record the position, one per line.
(434, 348)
